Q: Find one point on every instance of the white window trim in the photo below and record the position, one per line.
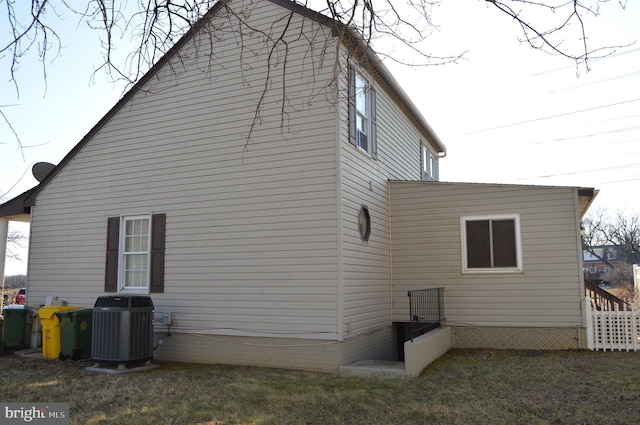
(463, 234)
(368, 114)
(429, 164)
(121, 272)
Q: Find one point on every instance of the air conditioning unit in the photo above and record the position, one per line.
(122, 329)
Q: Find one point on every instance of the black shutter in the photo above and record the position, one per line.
(156, 281)
(374, 125)
(352, 106)
(111, 265)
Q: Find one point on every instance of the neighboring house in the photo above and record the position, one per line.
(601, 262)
(598, 262)
(293, 242)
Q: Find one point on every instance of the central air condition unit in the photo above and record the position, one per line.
(122, 329)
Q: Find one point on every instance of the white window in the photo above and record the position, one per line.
(429, 164)
(362, 113)
(134, 249)
(491, 244)
(135, 253)
(363, 123)
(593, 269)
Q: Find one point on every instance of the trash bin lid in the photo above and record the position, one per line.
(14, 307)
(74, 313)
(48, 311)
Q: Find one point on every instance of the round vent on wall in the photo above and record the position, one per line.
(364, 223)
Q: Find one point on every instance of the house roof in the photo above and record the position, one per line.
(586, 195)
(16, 208)
(585, 198)
(388, 82)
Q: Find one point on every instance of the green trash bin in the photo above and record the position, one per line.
(75, 333)
(14, 328)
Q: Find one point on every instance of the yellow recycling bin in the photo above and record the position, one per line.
(51, 328)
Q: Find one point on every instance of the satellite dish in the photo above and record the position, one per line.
(40, 170)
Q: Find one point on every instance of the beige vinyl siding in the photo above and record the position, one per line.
(251, 228)
(367, 265)
(321, 356)
(427, 252)
(290, 353)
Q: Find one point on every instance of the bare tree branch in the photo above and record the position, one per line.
(15, 242)
(15, 134)
(559, 27)
(620, 234)
(555, 26)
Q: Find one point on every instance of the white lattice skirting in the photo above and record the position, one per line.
(518, 338)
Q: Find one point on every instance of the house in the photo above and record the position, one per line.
(597, 263)
(600, 261)
(291, 239)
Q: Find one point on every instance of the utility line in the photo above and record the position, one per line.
(564, 68)
(593, 83)
(570, 173)
(554, 116)
(584, 136)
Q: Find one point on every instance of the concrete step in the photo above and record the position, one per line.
(374, 368)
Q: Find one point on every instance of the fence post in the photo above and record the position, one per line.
(589, 315)
(410, 315)
(635, 316)
(635, 330)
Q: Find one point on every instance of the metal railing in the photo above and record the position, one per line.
(426, 310)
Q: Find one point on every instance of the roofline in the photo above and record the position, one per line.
(336, 28)
(17, 205)
(30, 200)
(585, 195)
(381, 70)
(589, 195)
(411, 108)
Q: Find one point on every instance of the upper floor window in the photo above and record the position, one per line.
(429, 164)
(362, 113)
(491, 244)
(363, 123)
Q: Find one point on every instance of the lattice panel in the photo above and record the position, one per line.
(516, 338)
(614, 330)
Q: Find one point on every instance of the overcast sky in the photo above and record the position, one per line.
(506, 113)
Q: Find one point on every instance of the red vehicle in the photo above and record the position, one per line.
(20, 296)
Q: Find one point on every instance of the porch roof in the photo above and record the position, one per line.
(16, 209)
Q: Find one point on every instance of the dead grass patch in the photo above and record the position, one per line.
(463, 387)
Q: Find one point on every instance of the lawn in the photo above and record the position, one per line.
(463, 387)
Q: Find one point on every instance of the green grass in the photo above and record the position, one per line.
(463, 387)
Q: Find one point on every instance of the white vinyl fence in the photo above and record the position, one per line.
(613, 330)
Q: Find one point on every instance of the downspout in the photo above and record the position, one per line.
(339, 208)
(582, 291)
(4, 234)
(390, 251)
